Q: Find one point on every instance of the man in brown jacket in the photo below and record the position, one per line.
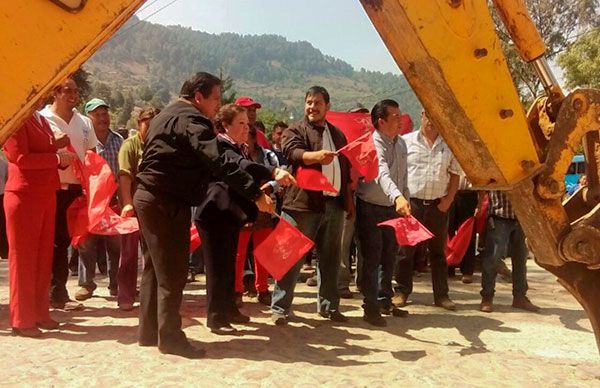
(313, 143)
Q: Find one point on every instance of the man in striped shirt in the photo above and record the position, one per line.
(505, 238)
(433, 176)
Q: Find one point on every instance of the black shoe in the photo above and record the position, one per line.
(186, 351)
(334, 315)
(226, 329)
(145, 342)
(265, 298)
(346, 294)
(279, 319)
(375, 319)
(238, 318)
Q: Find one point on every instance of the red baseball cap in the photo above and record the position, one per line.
(247, 101)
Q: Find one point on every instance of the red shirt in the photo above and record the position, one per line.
(32, 160)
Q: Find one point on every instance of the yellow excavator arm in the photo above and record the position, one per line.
(450, 53)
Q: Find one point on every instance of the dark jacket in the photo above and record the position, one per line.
(301, 137)
(225, 205)
(181, 158)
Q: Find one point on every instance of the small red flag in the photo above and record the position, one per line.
(363, 156)
(195, 240)
(457, 246)
(408, 230)
(282, 249)
(406, 124)
(311, 179)
(352, 124)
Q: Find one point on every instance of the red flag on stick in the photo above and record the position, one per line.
(408, 230)
(310, 179)
(282, 249)
(363, 156)
(457, 246)
(195, 240)
(352, 124)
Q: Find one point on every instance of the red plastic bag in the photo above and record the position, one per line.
(409, 231)
(282, 249)
(457, 246)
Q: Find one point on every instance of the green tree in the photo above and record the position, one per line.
(81, 78)
(228, 94)
(559, 22)
(117, 98)
(128, 106)
(103, 91)
(269, 118)
(581, 61)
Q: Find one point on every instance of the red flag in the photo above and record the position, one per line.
(363, 156)
(353, 125)
(457, 246)
(91, 213)
(406, 124)
(408, 230)
(282, 249)
(481, 217)
(310, 179)
(195, 240)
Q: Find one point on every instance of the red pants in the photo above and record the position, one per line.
(30, 231)
(261, 276)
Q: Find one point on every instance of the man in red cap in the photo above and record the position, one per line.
(251, 108)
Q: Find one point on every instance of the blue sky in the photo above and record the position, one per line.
(339, 28)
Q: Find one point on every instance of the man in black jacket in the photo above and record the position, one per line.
(181, 157)
(313, 143)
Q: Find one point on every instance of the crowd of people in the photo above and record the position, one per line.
(198, 161)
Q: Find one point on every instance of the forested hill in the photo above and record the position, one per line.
(147, 63)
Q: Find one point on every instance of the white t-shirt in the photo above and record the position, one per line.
(81, 134)
(332, 171)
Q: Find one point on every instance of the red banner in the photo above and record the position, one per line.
(353, 125)
(282, 249)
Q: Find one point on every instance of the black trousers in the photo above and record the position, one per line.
(463, 208)
(436, 221)
(219, 248)
(165, 229)
(62, 240)
(377, 247)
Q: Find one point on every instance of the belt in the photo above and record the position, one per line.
(427, 202)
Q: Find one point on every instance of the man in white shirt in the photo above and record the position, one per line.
(433, 177)
(66, 121)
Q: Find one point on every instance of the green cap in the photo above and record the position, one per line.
(93, 104)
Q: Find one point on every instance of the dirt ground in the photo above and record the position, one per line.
(431, 347)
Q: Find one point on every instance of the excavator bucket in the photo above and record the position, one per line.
(46, 40)
(451, 55)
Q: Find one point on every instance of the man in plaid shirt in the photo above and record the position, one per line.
(433, 177)
(504, 238)
(109, 143)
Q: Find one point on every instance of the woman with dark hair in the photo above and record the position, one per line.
(222, 214)
(30, 206)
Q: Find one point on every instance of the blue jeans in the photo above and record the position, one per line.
(377, 249)
(347, 235)
(504, 238)
(325, 230)
(88, 255)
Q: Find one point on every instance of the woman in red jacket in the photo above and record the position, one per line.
(30, 204)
